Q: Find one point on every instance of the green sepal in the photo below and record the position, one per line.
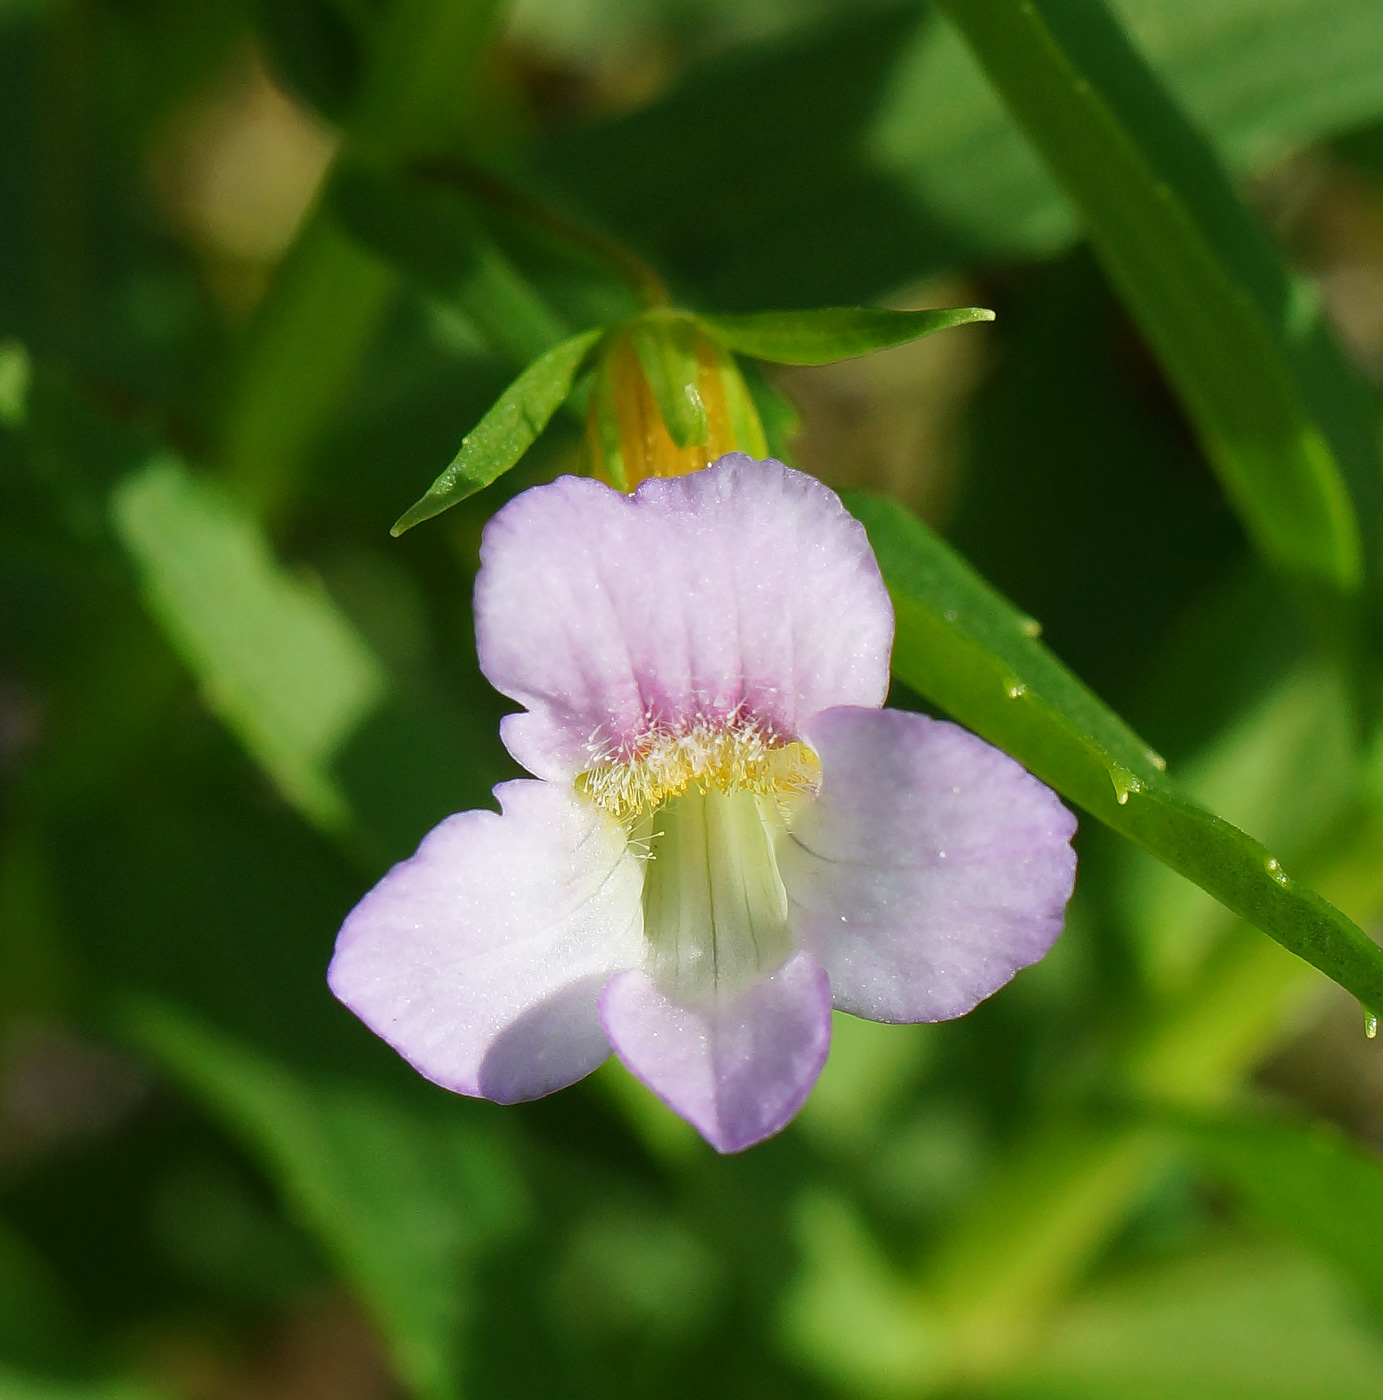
(508, 430)
(608, 437)
(833, 333)
(666, 347)
(745, 424)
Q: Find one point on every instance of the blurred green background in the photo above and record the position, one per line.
(228, 700)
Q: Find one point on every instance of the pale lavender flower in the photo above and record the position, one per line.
(725, 835)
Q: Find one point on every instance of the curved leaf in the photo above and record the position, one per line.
(275, 657)
(967, 649)
(1197, 272)
(833, 333)
(508, 430)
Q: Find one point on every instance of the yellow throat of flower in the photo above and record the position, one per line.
(705, 808)
(730, 758)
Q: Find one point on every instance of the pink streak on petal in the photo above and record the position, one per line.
(744, 587)
(737, 1070)
(481, 959)
(906, 932)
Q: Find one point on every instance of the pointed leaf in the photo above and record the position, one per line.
(508, 430)
(967, 649)
(835, 333)
(1200, 276)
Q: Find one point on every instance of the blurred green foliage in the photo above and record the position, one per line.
(248, 311)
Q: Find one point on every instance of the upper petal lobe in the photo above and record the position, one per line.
(745, 587)
(930, 868)
(481, 959)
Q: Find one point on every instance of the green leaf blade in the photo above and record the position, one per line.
(834, 333)
(507, 431)
(276, 659)
(964, 647)
(1198, 274)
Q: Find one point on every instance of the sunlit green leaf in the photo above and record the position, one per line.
(1285, 772)
(1194, 268)
(835, 333)
(400, 1200)
(1260, 79)
(968, 650)
(508, 430)
(274, 656)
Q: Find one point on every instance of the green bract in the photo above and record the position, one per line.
(508, 430)
(665, 343)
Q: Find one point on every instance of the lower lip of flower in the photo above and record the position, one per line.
(706, 805)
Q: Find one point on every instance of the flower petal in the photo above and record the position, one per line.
(746, 587)
(930, 868)
(737, 1068)
(481, 959)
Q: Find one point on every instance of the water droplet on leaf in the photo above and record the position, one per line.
(1124, 783)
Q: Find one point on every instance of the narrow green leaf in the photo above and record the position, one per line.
(835, 333)
(1260, 79)
(276, 659)
(666, 347)
(401, 1201)
(1310, 1181)
(1189, 261)
(302, 354)
(508, 430)
(967, 649)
